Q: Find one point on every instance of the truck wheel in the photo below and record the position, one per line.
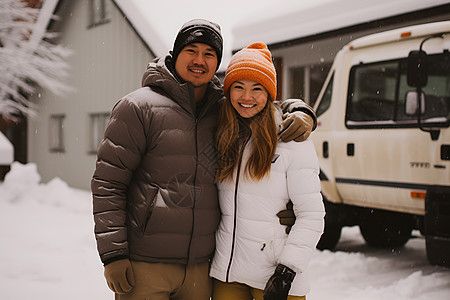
(330, 237)
(333, 227)
(386, 229)
(438, 251)
(437, 226)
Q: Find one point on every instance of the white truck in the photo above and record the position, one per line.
(384, 154)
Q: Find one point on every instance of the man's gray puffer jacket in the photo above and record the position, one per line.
(153, 189)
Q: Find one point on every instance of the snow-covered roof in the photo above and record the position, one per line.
(134, 14)
(6, 151)
(147, 31)
(301, 19)
(45, 15)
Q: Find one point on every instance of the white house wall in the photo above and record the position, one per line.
(107, 62)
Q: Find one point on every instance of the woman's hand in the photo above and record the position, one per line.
(278, 286)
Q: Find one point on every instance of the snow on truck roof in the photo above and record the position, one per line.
(400, 34)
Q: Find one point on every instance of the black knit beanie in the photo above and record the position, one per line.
(199, 31)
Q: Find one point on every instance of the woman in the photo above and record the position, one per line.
(257, 175)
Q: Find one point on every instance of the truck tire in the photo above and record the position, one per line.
(382, 229)
(333, 227)
(330, 237)
(437, 226)
(438, 251)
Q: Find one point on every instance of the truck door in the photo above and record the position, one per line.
(397, 161)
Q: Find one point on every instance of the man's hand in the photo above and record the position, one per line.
(296, 126)
(287, 216)
(278, 286)
(119, 276)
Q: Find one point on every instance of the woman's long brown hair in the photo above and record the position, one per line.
(230, 144)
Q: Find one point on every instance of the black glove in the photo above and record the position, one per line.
(287, 216)
(278, 286)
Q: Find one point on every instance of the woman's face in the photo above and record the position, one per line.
(248, 97)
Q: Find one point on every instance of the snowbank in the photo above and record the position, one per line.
(48, 247)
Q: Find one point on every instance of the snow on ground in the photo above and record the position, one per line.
(48, 248)
(48, 252)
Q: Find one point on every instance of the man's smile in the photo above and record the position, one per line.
(197, 70)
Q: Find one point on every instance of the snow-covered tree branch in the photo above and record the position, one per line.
(27, 60)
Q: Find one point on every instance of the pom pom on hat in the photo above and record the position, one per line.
(253, 63)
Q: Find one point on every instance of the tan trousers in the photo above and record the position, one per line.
(239, 291)
(163, 281)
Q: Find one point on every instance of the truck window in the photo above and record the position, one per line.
(326, 98)
(377, 94)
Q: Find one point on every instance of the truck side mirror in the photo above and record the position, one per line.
(417, 74)
(412, 104)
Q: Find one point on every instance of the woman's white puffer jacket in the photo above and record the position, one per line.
(250, 241)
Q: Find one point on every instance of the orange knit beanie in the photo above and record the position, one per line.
(252, 63)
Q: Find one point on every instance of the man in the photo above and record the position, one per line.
(155, 201)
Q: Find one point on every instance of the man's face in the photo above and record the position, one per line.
(197, 64)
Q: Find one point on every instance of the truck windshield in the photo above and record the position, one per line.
(326, 98)
(377, 94)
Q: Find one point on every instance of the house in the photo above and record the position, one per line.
(110, 53)
(305, 40)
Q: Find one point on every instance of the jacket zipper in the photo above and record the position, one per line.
(195, 190)
(192, 97)
(149, 213)
(235, 210)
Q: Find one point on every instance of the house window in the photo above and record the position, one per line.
(307, 81)
(98, 126)
(98, 12)
(56, 133)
